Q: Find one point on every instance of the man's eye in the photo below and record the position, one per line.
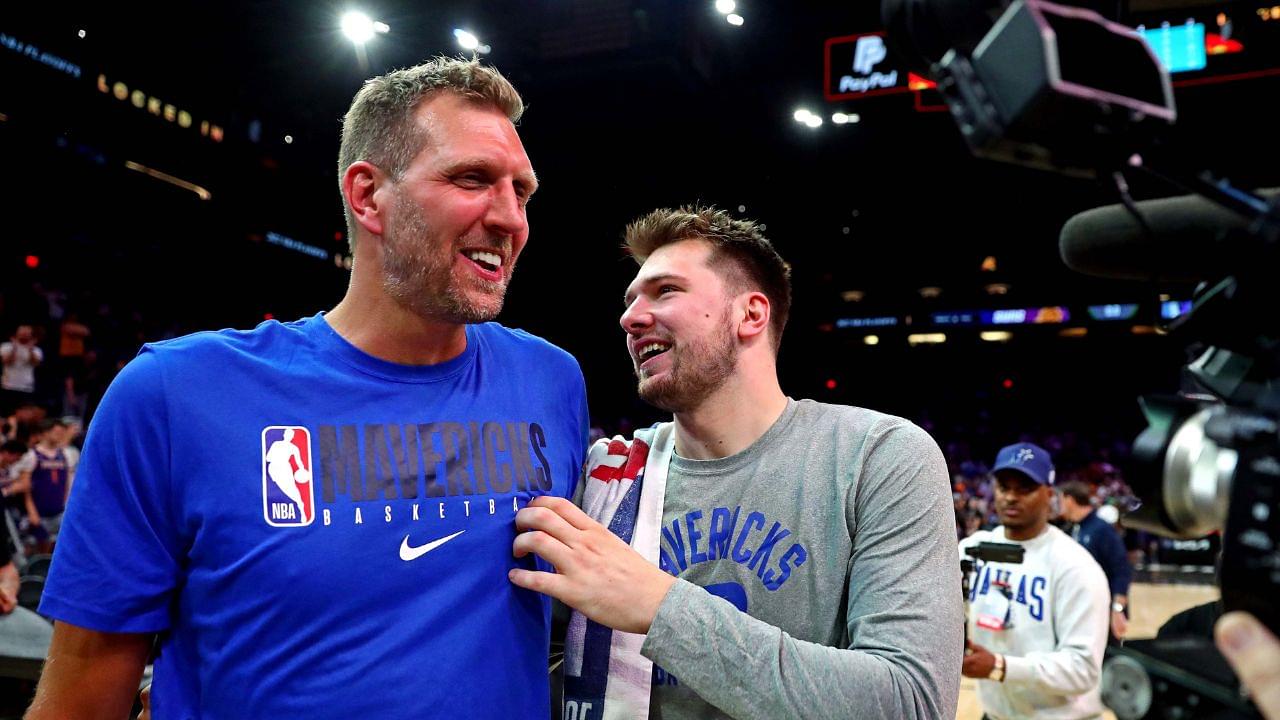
(667, 289)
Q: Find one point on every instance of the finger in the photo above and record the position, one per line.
(546, 520)
(565, 509)
(545, 547)
(538, 581)
(1254, 653)
(145, 698)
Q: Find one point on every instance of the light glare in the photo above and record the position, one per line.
(357, 27)
(467, 40)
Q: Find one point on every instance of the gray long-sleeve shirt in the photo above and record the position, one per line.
(818, 576)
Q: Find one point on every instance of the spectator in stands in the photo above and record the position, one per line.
(15, 471)
(1102, 541)
(71, 339)
(22, 424)
(50, 480)
(20, 356)
(72, 335)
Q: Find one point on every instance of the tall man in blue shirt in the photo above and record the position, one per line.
(316, 517)
(1101, 540)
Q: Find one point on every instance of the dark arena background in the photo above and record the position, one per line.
(172, 167)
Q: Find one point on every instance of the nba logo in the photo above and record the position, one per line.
(287, 499)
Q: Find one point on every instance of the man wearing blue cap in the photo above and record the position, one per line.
(1037, 628)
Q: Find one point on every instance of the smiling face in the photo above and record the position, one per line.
(456, 224)
(679, 325)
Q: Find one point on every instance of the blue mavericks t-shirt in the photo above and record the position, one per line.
(318, 533)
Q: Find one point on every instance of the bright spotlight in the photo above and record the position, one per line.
(802, 115)
(466, 40)
(357, 27)
(813, 121)
(724, 7)
(839, 118)
(735, 19)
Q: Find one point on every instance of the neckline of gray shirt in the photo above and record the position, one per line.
(752, 453)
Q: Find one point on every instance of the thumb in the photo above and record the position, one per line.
(1254, 653)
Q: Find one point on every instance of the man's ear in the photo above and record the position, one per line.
(755, 311)
(360, 185)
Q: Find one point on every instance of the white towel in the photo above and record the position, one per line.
(606, 677)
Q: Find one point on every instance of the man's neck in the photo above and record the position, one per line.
(1023, 534)
(729, 421)
(373, 322)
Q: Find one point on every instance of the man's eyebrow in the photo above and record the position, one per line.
(651, 280)
(528, 179)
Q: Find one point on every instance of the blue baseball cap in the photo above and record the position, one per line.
(1027, 458)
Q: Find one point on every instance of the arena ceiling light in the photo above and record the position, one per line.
(926, 339)
(804, 117)
(735, 19)
(360, 28)
(467, 40)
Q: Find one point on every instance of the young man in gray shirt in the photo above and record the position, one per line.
(805, 559)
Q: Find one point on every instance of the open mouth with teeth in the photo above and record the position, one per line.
(487, 261)
(652, 350)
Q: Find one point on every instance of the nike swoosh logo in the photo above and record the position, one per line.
(408, 552)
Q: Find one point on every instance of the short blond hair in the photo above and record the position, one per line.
(379, 127)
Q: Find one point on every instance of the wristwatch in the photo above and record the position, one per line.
(997, 671)
(1117, 607)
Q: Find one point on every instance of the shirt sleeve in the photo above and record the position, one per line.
(1080, 621)
(121, 506)
(582, 421)
(26, 463)
(73, 458)
(904, 612)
